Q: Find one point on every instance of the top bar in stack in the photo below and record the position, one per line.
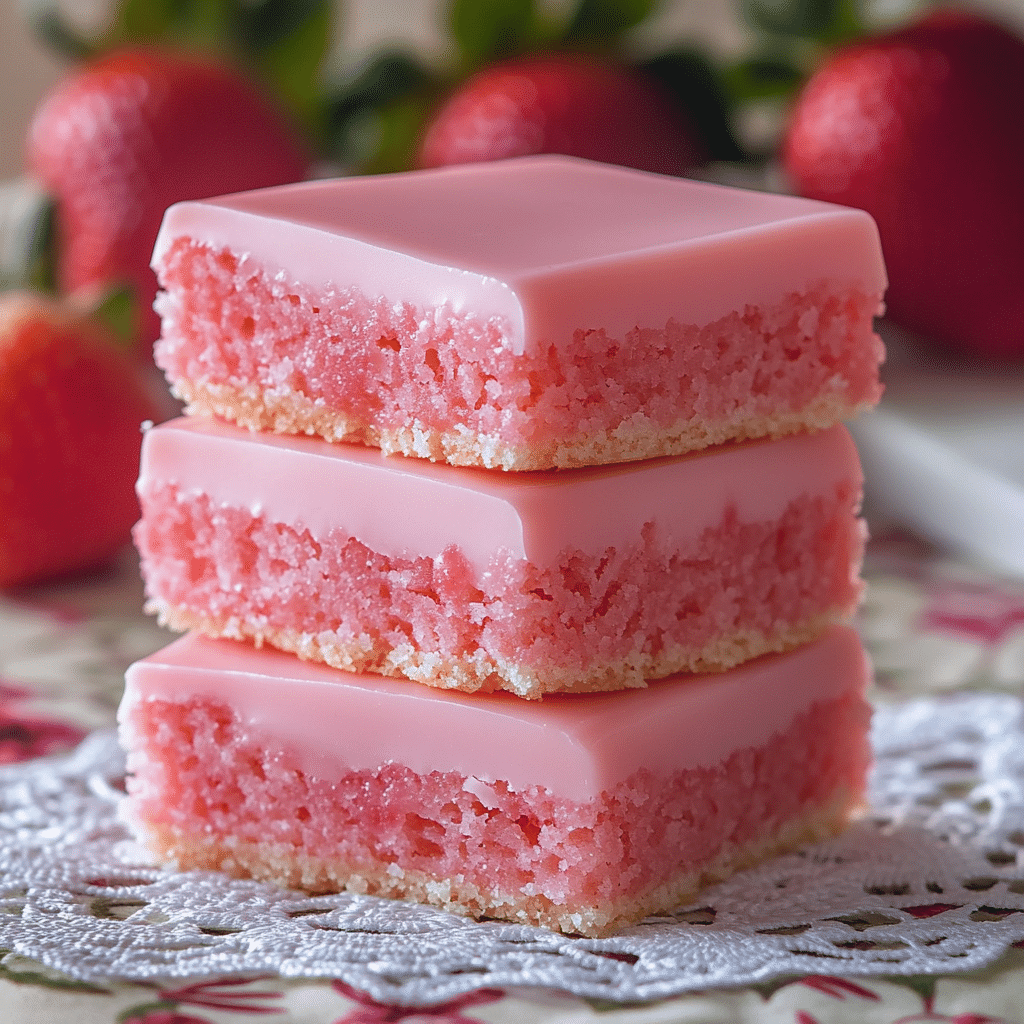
(526, 314)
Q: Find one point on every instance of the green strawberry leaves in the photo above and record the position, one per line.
(27, 259)
(373, 115)
(485, 30)
(696, 85)
(196, 23)
(117, 309)
(763, 74)
(57, 31)
(368, 116)
(280, 43)
(26, 236)
(604, 21)
(489, 30)
(820, 20)
(284, 43)
(791, 35)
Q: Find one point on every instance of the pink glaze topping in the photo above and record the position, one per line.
(548, 245)
(573, 746)
(411, 507)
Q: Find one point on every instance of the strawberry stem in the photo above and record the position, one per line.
(57, 32)
(117, 309)
(26, 236)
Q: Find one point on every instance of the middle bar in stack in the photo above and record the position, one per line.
(471, 579)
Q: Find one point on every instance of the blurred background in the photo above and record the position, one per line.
(28, 68)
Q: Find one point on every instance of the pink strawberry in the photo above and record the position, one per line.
(71, 405)
(921, 128)
(561, 103)
(121, 139)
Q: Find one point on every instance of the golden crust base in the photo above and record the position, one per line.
(291, 412)
(277, 863)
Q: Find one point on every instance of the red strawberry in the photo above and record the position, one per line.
(70, 408)
(561, 103)
(121, 139)
(921, 128)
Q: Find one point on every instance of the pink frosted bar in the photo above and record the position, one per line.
(522, 314)
(581, 813)
(588, 579)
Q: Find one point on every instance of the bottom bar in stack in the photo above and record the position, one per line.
(581, 813)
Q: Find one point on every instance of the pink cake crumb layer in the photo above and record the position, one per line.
(623, 316)
(535, 583)
(216, 783)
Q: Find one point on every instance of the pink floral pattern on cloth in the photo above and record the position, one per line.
(933, 624)
(237, 996)
(231, 995)
(24, 737)
(842, 989)
(369, 1011)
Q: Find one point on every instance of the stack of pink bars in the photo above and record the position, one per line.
(536, 467)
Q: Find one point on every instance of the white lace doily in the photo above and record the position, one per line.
(932, 882)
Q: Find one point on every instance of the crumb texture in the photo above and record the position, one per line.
(271, 354)
(594, 622)
(205, 791)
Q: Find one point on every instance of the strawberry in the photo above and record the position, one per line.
(921, 129)
(70, 408)
(121, 139)
(561, 103)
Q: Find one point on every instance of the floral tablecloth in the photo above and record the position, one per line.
(934, 625)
